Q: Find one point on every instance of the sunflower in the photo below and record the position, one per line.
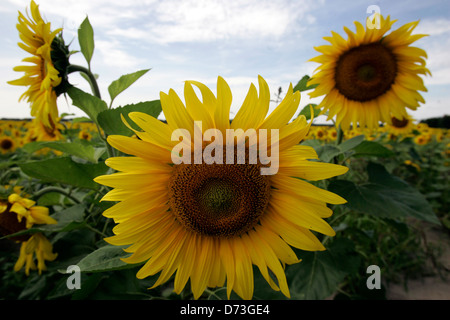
(401, 127)
(7, 144)
(421, 139)
(85, 135)
(37, 131)
(211, 222)
(41, 77)
(372, 76)
(17, 214)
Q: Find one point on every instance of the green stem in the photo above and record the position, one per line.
(43, 191)
(92, 81)
(96, 91)
(340, 135)
(339, 138)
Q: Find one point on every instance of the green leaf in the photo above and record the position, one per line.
(64, 170)
(302, 85)
(86, 40)
(306, 111)
(384, 196)
(319, 273)
(327, 152)
(88, 103)
(352, 143)
(111, 122)
(372, 148)
(119, 85)
(107, 258)
(81, 149)
(68, 219)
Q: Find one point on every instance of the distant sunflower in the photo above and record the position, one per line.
(402, 127)
(421, 139)
(17, 214)
(211, 223)
(7, 144)
(41, 77)
(372, 76)
(37, 131)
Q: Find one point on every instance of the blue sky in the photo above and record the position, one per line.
(202, 39)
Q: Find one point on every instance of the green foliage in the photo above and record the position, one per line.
(119, 85)
(64, 170)
(384, 195)
(110, 120)
(89, 103)
(86, 40)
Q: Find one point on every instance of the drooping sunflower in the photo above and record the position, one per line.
(372, 76)
(211, 222)
(41, 77)
(19, 213)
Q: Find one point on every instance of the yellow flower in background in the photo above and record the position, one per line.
(210, 223)
(37, 131)
(7, 144)
(26, 208)
(41, 77)
(402, 127)
(370, 77)
(17, 214)
(412, 164)
(421, 139)
(85, 135)
(37, 246)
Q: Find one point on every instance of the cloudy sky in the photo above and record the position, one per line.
(202, 39)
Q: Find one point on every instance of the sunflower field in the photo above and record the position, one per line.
(96, 207)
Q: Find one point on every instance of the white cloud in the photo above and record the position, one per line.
(193, 20)
(436, 46)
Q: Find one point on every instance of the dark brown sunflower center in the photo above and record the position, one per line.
(6, 144)
(9, 225)
(218, 199)
(366, 72)
(399, 123)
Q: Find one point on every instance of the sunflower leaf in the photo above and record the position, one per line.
(111, 122)
(88, 103)
(86, 40)
(119, 85)
(82, 150)
(104, 259)
(306, 111)
(384, 196)
(319, 273)
(64, 170)
(372, 148)
(302, 85)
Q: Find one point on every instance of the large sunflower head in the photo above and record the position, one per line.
(212, 216)
(41, 77)
(372, 76)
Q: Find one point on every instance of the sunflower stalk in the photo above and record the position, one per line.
(67, 194)
(90, 77)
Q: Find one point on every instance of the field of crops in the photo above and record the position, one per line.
(389, 234)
